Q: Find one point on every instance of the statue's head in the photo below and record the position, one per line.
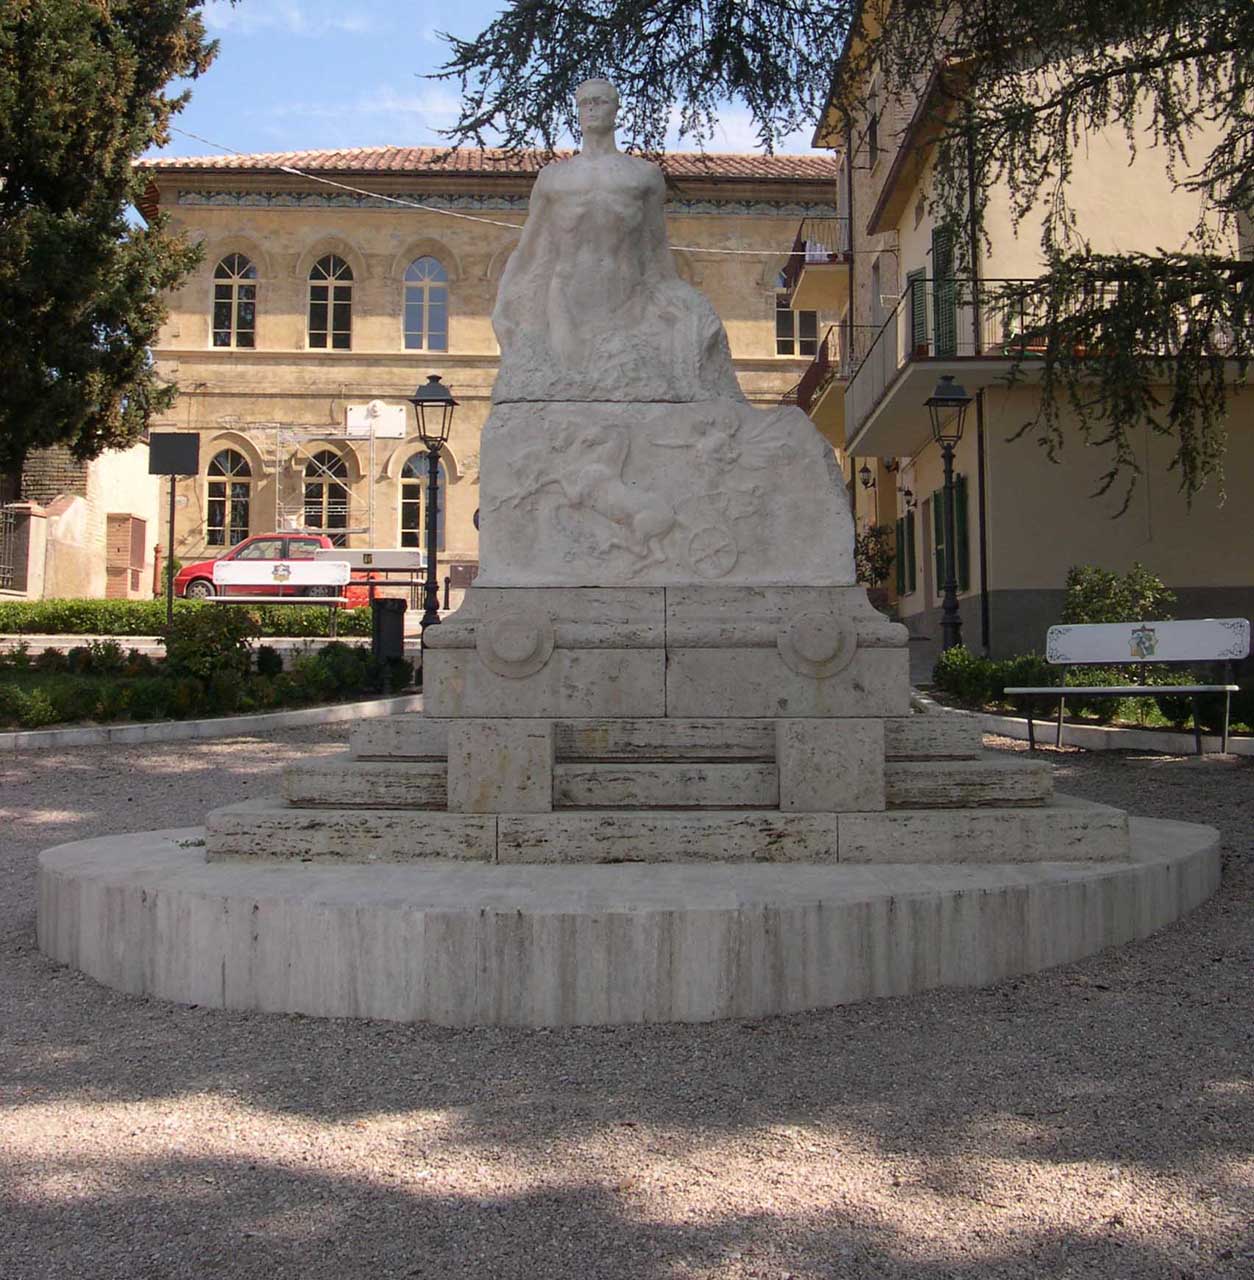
(597, 103)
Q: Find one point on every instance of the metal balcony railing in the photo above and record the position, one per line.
(819, 240)
(839, 354)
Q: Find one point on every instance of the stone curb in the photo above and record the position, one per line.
(219, 727)
(1094, 737)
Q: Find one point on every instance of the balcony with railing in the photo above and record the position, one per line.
(973, 329)
(820, 393)
(817, 272)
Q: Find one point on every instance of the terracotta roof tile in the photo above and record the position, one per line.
(437, 160)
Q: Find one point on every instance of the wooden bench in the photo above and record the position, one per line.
(1225, 640)
(322, 580)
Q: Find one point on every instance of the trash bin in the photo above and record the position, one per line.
(387, 628)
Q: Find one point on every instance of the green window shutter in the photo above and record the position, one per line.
(900, 557)
(916, 287)
(911, 572)
(960, 533)
(938, 535)
(944, 294)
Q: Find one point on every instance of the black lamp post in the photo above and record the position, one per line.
(947, 407)
(433, 406)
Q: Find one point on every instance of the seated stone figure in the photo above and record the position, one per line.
(590, 306)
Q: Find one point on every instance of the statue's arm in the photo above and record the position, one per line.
(513, 297)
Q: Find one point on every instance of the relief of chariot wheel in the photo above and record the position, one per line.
(712, 551)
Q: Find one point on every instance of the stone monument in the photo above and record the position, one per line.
(668, 765)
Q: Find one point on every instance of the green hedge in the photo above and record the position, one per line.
(976, 681)
(101, 688)
(147, 618)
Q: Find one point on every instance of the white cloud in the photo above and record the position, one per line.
(294, 17)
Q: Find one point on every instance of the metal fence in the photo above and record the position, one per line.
(819, 240)
(8, 548)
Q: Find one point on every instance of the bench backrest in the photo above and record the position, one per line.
(1192, 640)
(281, 573)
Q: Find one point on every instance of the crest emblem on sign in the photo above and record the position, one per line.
(281, 572)
(1144, 642)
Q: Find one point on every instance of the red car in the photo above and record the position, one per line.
(196, 580)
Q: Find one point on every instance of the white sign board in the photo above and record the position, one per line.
(383, 421)
(281, 573)
(1193, 640)
(409, 559)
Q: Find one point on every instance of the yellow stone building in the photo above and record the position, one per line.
(325, 297)
(903, 316)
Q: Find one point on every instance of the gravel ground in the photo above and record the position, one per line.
(1096, 1120)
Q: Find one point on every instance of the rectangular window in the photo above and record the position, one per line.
(246, 315)
(916, 287)
(796, 332)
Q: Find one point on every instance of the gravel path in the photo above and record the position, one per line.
(1097, 1120)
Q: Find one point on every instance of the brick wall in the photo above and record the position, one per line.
(49, 472)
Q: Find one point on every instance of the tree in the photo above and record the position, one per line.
(82, 94)
(1012, 88)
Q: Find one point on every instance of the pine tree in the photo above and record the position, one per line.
(1016, 87)
(82, 94)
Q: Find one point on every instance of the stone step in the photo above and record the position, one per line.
(410, 736)
(639, 741)
(933, 736)
(272, 829)
(340, 781)
(661, 785)
(967, 784)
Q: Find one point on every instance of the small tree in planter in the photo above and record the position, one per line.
(874, 554)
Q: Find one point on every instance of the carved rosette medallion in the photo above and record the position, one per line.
(817, 644)
(515, 644)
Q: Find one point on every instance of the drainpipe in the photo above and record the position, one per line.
(977, 346)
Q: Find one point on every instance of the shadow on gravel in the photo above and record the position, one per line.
(1138, 1059)
(223, 1218)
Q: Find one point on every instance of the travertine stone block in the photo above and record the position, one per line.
(995, 780)
(581, 617)
(715, 836)
(831, 766)
(404, 737)
(500, 766)
(271, 829)
(666, 785)
(934, 736)
(640, 740)
(1064, 830)
(574, 682)
(342, 782)
(755, 682)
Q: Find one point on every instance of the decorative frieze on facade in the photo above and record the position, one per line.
(477, 203)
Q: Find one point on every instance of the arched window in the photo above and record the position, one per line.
(426, 306)
(230, 494)
(234, 302)
(326, 495)
(331, 303)
(413, 502)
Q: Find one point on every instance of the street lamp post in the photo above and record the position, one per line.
(947, 408)
(433, 406)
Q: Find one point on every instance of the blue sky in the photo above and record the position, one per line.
(295, 75)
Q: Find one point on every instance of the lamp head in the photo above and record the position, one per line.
(947, 408)
(865, 476)
(433, 406)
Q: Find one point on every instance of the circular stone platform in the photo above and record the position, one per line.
(474, 944)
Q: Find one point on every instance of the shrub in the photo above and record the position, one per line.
(72, 698)
(1101, 595)
(187, 696)
(348, 667)
(269, 660)
(147, 618)
(210, 640)
(18, 657)
(150, 698)
(78, 660)
(967, 676)
(106, 657)
(112, 700)
(312, 677)
(223, 692)
(50, 661)
(874, 554)
(138, 664)
(1026, 669)
(35, 710)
